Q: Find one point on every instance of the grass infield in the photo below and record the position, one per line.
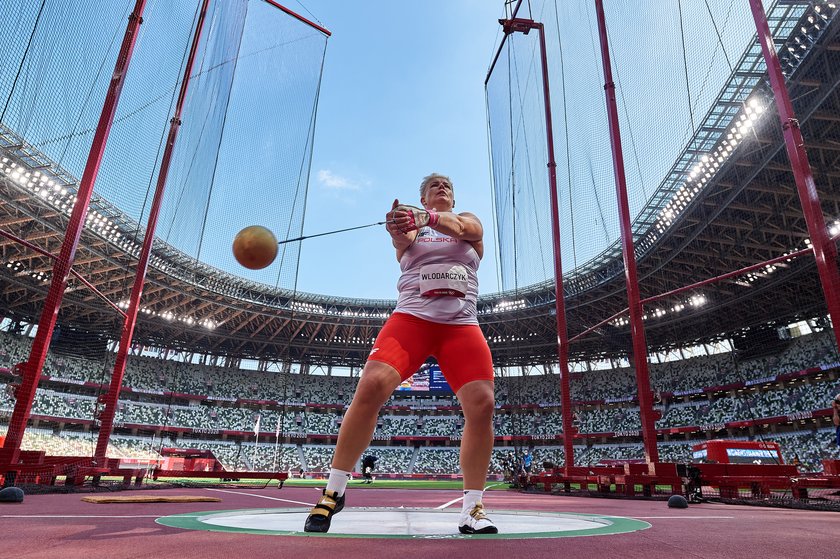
(378, 484)
(396, 484)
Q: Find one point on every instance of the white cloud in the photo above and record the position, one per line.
(335, 182)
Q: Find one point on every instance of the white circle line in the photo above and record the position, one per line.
(685, 517)
(80, 516)
(422, 522)
(261, 496)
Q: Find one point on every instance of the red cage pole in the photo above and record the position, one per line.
(25, 393)
(299, 17)
(637, 328)
(525, 26)
(107, 416)
(559, 293)
(825, 251)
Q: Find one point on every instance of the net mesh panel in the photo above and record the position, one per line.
(244, 147)
(242, 157)
(654, 136)
(710, 192)
(55, 73)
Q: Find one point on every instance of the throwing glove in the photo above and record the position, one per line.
(417, 217)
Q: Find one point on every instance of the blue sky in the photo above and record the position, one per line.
(402, 96)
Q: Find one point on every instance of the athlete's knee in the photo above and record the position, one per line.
(377, 384)
(478, 402)
(481, 410)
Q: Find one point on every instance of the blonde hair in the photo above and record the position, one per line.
(434, 176)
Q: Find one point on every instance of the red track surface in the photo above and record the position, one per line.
(62, 526)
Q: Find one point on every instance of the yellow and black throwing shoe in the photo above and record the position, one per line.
(321, 514)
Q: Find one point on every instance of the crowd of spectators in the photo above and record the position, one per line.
(809, 447)
(528, 404)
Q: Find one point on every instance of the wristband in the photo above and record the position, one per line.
(433, 218)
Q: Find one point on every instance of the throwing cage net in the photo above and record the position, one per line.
(209, 104)
(733, 338)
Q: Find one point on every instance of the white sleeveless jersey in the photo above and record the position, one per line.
(439, 280)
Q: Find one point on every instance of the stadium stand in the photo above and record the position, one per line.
(175, 402)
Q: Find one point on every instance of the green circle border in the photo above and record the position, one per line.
(612, 525)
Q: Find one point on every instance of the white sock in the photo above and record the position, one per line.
(471, 497)
(338, 481)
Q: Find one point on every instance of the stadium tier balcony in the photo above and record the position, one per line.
(229, 453)
(13, 349)
(437, 461)
(677, 415)
(391, 460)
(317, 458)
(269, 457)
(394, 426)
(431, 426)
(811, 447)
(322, 423)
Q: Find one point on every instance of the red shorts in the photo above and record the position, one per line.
(460, 349)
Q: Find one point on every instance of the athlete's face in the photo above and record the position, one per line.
(439, 196)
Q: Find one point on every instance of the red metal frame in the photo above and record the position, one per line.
(727, 275)
(559, 293)
(825, 251)
(637, 328)
(591, 328)
(64, 262)
(525, 26)
(107, 416)
(300, 17)
(502, 44)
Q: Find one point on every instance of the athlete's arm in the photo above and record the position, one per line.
(464, 226)
(400, 239)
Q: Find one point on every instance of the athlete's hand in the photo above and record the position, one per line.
(393, 221)
(410, 218)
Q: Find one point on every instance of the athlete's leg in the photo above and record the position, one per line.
(476, 399)
(478, 403)
(378, 382)
(395, 348)
(397, 353)
(467, 364)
